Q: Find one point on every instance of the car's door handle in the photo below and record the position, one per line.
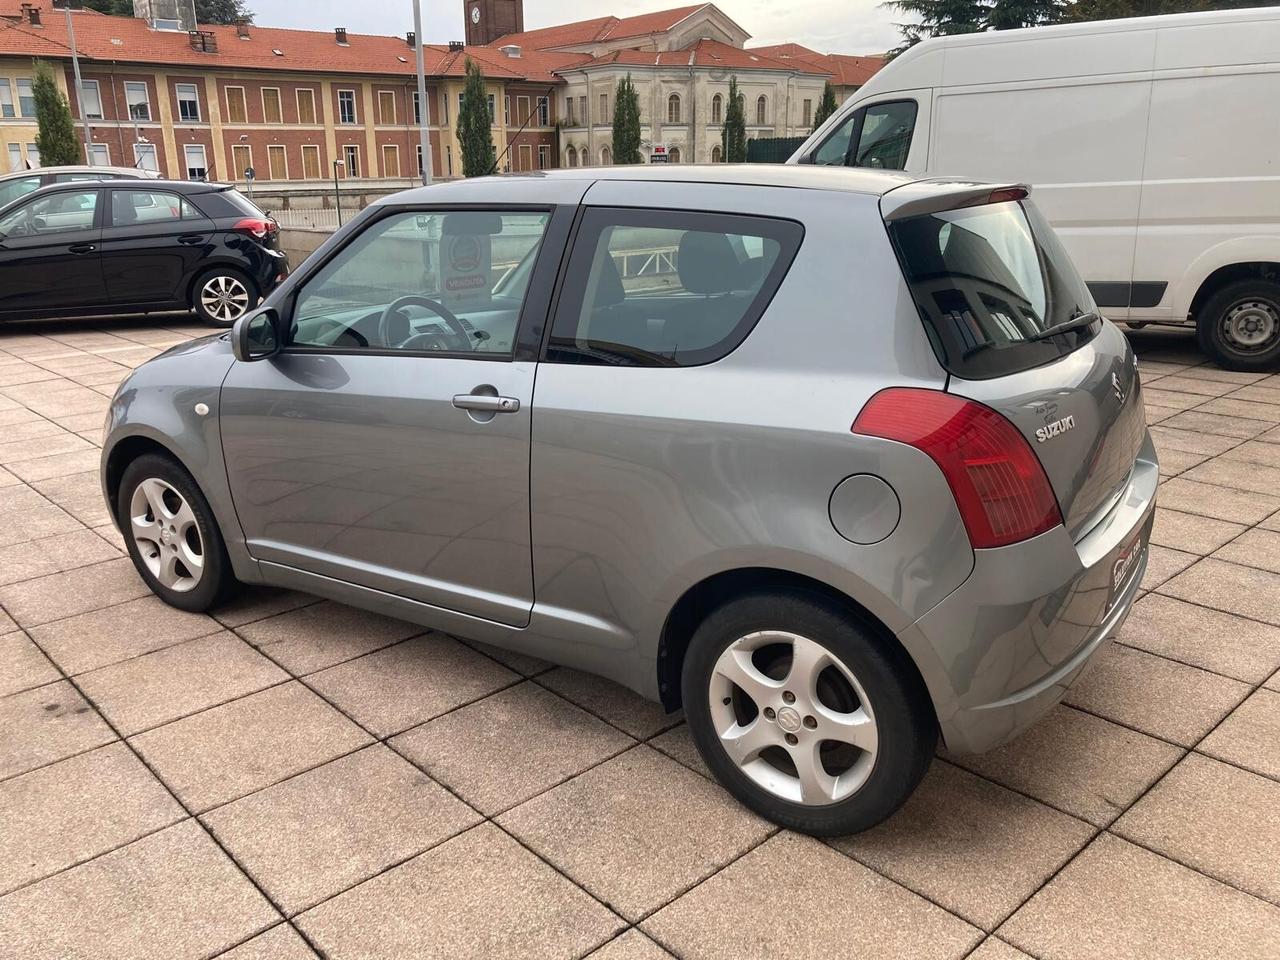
(485, 403)
(81, 248)
(191, 238)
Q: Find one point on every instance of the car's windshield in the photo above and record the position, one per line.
(11, 190)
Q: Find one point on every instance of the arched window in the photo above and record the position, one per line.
(606, 157)
(717, 109)
(673, 108)
(762, 109)
(716, 155)
(673, 155)
(573, 157)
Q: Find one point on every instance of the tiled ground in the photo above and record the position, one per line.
(290, 777)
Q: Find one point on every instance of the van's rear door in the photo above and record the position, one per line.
(1016, 328)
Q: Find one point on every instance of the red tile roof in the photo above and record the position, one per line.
(845, 71)
(600, 29)
(707, 53)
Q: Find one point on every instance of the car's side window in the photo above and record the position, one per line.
(56, 213)
(450, 282)
(132, 207)
(669, 288)
(877, 136)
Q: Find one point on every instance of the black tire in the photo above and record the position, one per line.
(216, 579)
(907, 728)
(231, 277)
(1242, 302)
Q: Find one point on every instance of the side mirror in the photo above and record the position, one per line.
(256, 336)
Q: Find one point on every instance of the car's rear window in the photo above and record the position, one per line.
(989, 281)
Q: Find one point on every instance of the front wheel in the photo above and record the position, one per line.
(222, 296)
(172, 537)
(1239, 326)
(805, 714)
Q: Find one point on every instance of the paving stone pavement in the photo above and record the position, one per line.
(290, 778)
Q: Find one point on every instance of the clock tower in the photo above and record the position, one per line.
(487, 20)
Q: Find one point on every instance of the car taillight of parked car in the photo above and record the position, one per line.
(998, 482)
(257, 227)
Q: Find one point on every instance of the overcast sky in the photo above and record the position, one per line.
(829, 26)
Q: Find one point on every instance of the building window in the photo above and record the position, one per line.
(673, 155)
(448, 160)
(544, 112)
(100, 155)
(138, 99)
(391, 160)
(582, 110)
(604, 109)
(526, 157)
(236, 112)
(197, 165)
(144, 157)
(33, 155)
(573, 157)
(271, 110)
(717, 109)
(506, 111)
(306, 105)
(569, 111)
(421, 168)
(417, 109)
(6, 102)
(277, 162)
(522, 114)
(716, 155)
(15, 159)
(346, 106)
(386, 107)
(673, 108)
(310, 161)
(351, 154)
(444, 109)
(544, 156)
(493, 116)
(26, 98)
(188, 102)
(762, 109)
(241, 160)
(806, 114)
(90, 99)
(606, 157)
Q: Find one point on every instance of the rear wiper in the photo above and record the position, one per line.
(1079, 322)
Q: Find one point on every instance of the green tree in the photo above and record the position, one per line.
(112, 8)
(56, 139)
(1013, 14)
(225, 12)
(626, 123)
(937, 18)
(475, 134)
(826, 106)
(733, 135)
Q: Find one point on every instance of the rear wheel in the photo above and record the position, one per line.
(171, 535)
(223, 295)
(805, 714)
(1239, 326)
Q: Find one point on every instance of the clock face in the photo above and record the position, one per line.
(475, 14)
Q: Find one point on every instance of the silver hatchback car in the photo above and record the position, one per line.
(838, 461)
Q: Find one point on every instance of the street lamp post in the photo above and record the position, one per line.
(424, 113)
(337, 195)
(75, 66)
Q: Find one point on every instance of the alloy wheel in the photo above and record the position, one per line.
(224, 298)
(793, 718)
(1251, 325)
(164, 528)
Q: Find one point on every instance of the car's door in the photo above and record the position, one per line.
(388, 444)
(151, 242)
(49, 257)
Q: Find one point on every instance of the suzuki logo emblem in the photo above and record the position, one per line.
(1051, 430)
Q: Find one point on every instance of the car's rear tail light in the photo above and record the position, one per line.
(257, 227)
(997, 481)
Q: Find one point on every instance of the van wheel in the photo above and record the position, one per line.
(805, 714)
(1239, 326)
(222, 296)
(171, 535)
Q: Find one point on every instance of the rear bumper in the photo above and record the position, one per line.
(1011, 640)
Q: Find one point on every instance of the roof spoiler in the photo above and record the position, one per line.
(923, 197)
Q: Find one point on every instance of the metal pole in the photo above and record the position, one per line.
(75, 66)
(337, 195)
(424, 111)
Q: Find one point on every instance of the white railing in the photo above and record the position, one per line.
(311, 219)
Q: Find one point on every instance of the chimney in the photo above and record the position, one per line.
(242, 29)
(511, 50)
(340, 34)
(456, 46)
(31, 14)
(411, 39)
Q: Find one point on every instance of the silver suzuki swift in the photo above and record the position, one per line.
(837, 461)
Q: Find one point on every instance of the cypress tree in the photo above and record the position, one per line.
(733, 136)
(56, 139)
(826, 106)
(626, 123)
(475, 134)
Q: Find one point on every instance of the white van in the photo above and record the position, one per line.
(1152, 144)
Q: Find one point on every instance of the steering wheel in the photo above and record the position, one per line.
(455, 325)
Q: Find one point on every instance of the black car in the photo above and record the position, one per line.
(128, 246)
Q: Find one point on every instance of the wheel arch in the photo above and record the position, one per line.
(720, 588)
(207, 267)
(124, 452)
(1232, 273)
